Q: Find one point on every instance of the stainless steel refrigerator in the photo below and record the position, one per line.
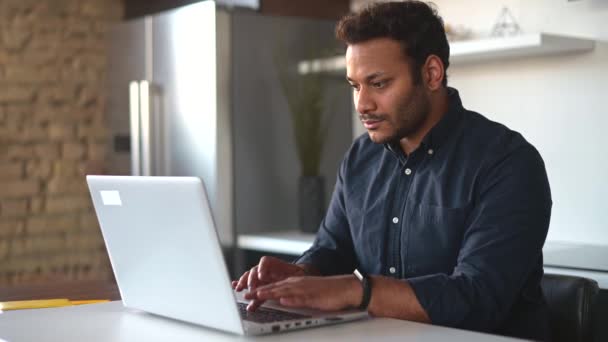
(196, 92)
(168, 90)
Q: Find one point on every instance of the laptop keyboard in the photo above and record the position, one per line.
(266, 315)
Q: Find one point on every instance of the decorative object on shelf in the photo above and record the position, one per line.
(305, 98)
(505, 25)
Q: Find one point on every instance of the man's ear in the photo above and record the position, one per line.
(433, 72)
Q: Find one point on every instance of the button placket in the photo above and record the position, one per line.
(408, 171)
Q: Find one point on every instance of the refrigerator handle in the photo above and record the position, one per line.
(159, 152)
(144, 115)
(135, 128)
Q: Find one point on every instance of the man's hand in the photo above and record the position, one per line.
(322, 293)
(269, 270)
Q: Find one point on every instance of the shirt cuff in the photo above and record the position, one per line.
(438, 299)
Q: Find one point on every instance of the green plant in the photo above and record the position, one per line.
(305, 98)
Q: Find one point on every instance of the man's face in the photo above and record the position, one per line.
(390, 105)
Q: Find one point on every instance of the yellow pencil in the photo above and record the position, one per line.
(46, 303)
(34, 304)
(89, 301)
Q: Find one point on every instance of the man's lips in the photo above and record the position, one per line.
(371, 123)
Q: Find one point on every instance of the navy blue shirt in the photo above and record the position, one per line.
(463, 219)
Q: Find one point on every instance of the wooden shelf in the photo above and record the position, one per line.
(285, 242)
(527, 45)
(474, 51)
(335, 66)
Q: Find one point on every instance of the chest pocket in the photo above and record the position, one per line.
(434, 239)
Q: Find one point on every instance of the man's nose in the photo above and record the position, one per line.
(364, 102)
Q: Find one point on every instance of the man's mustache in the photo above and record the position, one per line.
(374, 117)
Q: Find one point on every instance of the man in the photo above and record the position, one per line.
(442, 212)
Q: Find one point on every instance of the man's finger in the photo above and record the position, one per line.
(251, 295)
(269, 286)
(254, 304)
(279, 290)
(252, 281)
(267, 268)
(242, 282)
(282, 282)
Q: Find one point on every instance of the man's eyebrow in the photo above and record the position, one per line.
(368, 78)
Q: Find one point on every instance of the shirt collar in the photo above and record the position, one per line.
(440, 132)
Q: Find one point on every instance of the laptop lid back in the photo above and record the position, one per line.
(164, 249)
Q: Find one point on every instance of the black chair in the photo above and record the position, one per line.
(571, 301)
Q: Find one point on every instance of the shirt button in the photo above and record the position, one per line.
(430, 151)
(392, 270)
(408, 171)
(395, 220)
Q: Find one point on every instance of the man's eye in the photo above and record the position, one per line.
(379, 85)
(355, 87)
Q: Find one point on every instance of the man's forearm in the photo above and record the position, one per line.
(390, 297)
(395, 299)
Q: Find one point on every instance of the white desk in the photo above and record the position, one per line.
(111, 322)
(589, 261)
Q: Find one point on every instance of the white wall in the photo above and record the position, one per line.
(559, 103)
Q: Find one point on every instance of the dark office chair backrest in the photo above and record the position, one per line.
(571, 300)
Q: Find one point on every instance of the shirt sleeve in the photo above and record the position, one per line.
(332, 251)
(502, 246)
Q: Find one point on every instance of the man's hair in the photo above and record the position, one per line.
(414, 24)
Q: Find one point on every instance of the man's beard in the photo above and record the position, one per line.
(412, 112)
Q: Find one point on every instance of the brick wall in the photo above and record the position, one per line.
(52, 132)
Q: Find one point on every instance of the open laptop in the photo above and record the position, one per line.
(167, 259)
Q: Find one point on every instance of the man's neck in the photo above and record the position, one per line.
(439, 106)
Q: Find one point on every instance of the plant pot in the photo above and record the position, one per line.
(311, 203)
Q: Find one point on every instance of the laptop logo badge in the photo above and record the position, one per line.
(110, 197)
